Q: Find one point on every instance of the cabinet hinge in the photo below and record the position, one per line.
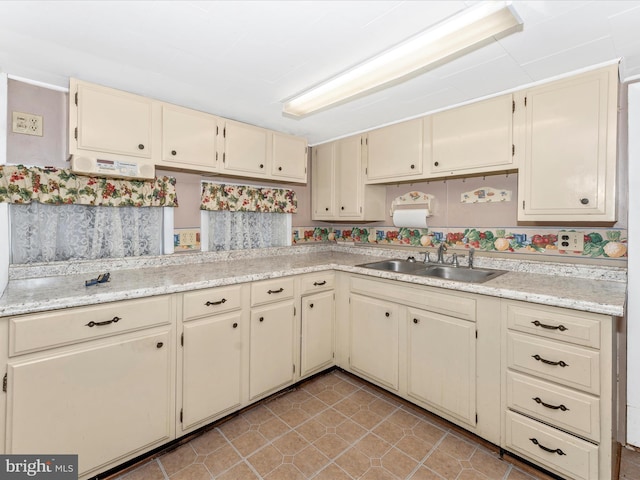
(294, 310)
(523, 204)
(360, 209)
(217, 130)
(224, 132)
(306, 150)
(75, 133)
(294, 368)
(76, 98)
(224, 157)
(476, 418)
(4, 383)
(513, 150)
(182, 339)
(476, 333)
(366, 171)
(513, 106)
(181, 415)
(525, 101)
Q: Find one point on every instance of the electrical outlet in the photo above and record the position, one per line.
(572, 241)
(186, 238)
(27, 124)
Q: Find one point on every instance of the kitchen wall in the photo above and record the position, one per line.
(4, 208)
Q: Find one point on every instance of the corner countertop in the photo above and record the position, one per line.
(587, 288)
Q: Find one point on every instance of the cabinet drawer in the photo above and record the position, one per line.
(582, 328)
(456, 305)
(271, 291)
(30, 333)
(569, 455)
(211, 301)
(573, 366)
(317, 282)
(567, 409)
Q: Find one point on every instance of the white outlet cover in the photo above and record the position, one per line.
(27, 124)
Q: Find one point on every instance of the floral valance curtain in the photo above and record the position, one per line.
(242, 198)
(20, 184)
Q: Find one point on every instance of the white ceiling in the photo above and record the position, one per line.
(240, 59)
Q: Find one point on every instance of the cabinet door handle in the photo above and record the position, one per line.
(416, 321)
(584, 201)
(553, 407)
(261, 319)
(387, 314)
(560, 327)
(318, 284)
(261, 165)
(280, 290)
(106, 322)
(311, 305)
(549, 362)
(412, 166)
(140, 146)
(220, 302)
(436, 163)
(174, 153)
(547, 449)
(235, 325)
(279, 169)
(159, 345)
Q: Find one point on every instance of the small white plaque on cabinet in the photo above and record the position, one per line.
(486, 194)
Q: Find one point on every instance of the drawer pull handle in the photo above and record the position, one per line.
(319, 284)
(216, 303)
(280, 290)
(106, 322)
(261, 319)
(553, 407)
(547, 449)
(549, 362)
(560, 327)
(416, 321)
(311, 305)
(159, 345)
(387, 314)
(235, 325)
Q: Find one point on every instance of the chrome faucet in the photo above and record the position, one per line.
(441, 249)
(471, 252)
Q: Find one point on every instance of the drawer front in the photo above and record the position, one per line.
(30, 333)
(581, 329)
(317, 282)
(211, 301)
(455, 305)
(569, 365)
(271, 291)
(567, 409)
(551, 448)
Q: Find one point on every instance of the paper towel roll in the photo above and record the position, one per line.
(413, 218)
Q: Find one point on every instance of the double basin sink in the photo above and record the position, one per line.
(437, 270)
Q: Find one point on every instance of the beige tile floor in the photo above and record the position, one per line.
(336, 427)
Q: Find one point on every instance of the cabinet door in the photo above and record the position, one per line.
(569, 165)
(473, 138)
(245, 149)
(348, 178)
(396, 151)
(289, 158)
(317, 332)
(322, 182)
(442, 363)
(374, 339)
(113, 121)
(102, 401)
(271, 362)
(211, 368)
(188, 137)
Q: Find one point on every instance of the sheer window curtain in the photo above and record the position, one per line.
(47, 233)
(227, 230)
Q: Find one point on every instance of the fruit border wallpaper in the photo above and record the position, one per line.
(598, 243)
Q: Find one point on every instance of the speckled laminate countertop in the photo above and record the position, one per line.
(48, 287)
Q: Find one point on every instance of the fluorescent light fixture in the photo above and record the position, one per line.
(454, 36)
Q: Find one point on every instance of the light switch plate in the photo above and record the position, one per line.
(27, 124)
(572, 241)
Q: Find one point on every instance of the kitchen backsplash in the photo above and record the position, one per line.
(597, 243)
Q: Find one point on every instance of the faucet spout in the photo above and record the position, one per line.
(471, 252)
(441, 249)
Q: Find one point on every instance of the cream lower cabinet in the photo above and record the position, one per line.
(102, 387)
(442, 362)
(317, 320)
(272, 328)
(374, 341)
(213, 347)
(559, 389)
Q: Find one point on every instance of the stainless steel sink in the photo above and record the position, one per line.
(446, 272)
(400, 266)
(460, 274)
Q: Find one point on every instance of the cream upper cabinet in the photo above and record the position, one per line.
(338, 189)
(108, 122)
(399, 152)
(245, 149)
(323, 186)
(188, 138)
(441, 368)
(288, 157)
(474, 138)
(569, 167)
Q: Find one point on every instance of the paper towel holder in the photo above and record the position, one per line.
(412, 200)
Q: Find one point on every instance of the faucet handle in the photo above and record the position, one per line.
(426, 257)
